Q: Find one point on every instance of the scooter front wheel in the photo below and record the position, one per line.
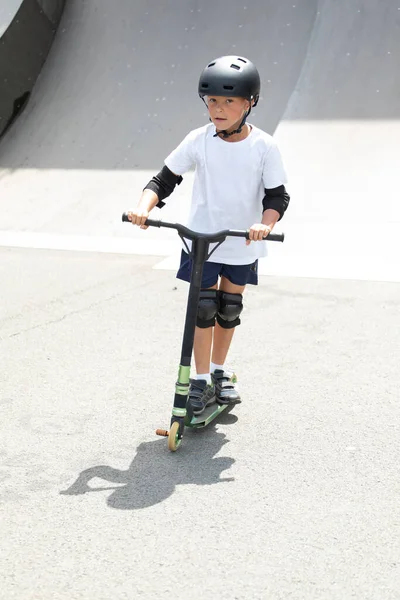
(174, 441)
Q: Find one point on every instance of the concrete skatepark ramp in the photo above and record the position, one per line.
(119, 91)
(27, 29)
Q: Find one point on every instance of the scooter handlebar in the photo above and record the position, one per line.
(212, 237)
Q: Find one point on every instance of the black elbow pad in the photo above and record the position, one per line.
(163, 184)
(277, 199)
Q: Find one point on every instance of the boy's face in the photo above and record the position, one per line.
(226, 112)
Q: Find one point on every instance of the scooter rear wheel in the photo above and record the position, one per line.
(173, 437)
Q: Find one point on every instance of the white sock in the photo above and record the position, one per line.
(214, 367)
(205, 376)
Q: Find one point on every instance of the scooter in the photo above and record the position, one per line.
(182, 415)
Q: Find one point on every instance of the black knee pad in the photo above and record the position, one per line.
(207, 308)
(230, 307)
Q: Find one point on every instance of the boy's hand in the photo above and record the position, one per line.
(258, 232)
(138, 217)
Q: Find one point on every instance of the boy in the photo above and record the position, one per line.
(239, 184)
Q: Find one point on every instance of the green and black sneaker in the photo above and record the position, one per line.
(201, 394)
(225, 390)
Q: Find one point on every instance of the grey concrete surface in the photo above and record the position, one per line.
(294, 494)
(351, 67)
(341, 125)
(339, 136)
(7, 13)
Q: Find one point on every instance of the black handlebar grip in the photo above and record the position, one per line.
(275, 237)
(125, 217)
(272, 237)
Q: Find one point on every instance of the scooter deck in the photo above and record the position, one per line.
(210, 413)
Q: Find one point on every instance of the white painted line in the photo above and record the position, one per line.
(303, 254)
(342, 267)
(369, 268)
(83, 243)
(171, 263)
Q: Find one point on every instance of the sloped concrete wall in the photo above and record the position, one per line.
(24, 47)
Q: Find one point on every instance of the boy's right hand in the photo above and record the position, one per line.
(138, 217)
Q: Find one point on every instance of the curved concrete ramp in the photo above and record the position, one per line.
(27, 29)
(351, 70)
(120, 88)
(340, 135)
(119, 91)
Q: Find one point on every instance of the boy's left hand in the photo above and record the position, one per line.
(258, 232)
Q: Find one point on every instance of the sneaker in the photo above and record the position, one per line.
(200, 395)
(225, 390)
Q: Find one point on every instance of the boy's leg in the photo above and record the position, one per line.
(203, 339)
(224, 387)
(202, 391)
(202, 349)
(223, 337)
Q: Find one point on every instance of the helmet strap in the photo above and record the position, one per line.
(225, 134)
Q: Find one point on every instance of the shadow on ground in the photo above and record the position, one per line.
(155, 472)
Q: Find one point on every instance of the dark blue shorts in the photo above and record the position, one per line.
(237, 274)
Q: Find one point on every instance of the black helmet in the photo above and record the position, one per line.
(230, 76)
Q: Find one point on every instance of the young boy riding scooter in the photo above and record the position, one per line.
(239, 184)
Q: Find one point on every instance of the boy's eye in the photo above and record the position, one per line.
(214, 101)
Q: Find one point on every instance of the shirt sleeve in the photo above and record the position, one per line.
(183, 157)
(274, 173)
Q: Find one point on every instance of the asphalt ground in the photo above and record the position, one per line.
(294, 494)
